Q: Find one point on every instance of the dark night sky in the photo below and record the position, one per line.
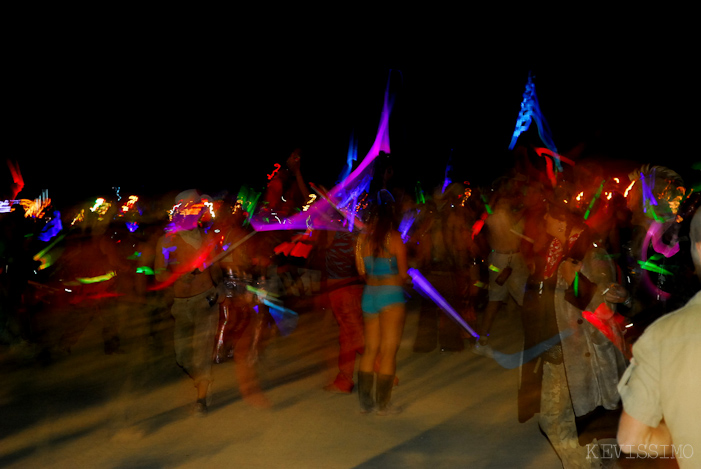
(165, 114)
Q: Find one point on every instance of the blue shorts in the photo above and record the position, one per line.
(377, 297)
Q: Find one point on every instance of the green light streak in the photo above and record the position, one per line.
(97, 279)
(647, 265)
(593, 200)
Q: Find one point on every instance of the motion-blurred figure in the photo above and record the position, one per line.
(660, 277)
(441, 250)
(507, 269)
(572, 383)
(244, 323)
(182, 259)
(660, 388)
(345, 290)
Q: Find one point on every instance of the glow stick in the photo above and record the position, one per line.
(405, 225)
(555, 155)
(530, 240)
(97, 279)
(593, 200)
(426, 287)
(285, 319)
(648, 265)
(420, 198)
(40, 255)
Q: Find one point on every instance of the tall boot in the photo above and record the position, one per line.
(365, 382)
(383, 395)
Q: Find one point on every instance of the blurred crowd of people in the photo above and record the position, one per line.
(589, 258)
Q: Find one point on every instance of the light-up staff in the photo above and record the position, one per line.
(423, 285)
(508, 361)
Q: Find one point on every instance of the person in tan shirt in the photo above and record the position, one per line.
(181, 265)
(660, 388)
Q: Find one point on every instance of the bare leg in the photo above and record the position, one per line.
(245, 362)
(202, 387)
(490, 314)
(372, 343)
(391, 330)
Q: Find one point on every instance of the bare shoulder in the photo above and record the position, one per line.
(395, 242)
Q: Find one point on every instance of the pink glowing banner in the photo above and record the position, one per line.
(344, 192)
(381, 144)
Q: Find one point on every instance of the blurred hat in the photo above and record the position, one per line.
(190, 196)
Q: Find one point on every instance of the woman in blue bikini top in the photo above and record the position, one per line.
(382, 260)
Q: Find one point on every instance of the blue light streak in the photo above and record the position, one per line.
(350, 158)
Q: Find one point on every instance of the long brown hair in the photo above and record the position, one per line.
(382, 222)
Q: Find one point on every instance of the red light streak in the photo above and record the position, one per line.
(277, 168)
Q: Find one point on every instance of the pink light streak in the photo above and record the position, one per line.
(299, 221)
(18, 181)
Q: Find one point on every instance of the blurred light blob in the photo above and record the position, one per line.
(6, 205)
(246, 200)
(210, 208)
(100, 207)
(78, 218)
(312, 198)
(130, 203)
(185, 216)
(52, 228)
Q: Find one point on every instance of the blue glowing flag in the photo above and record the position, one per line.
(530, 109)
